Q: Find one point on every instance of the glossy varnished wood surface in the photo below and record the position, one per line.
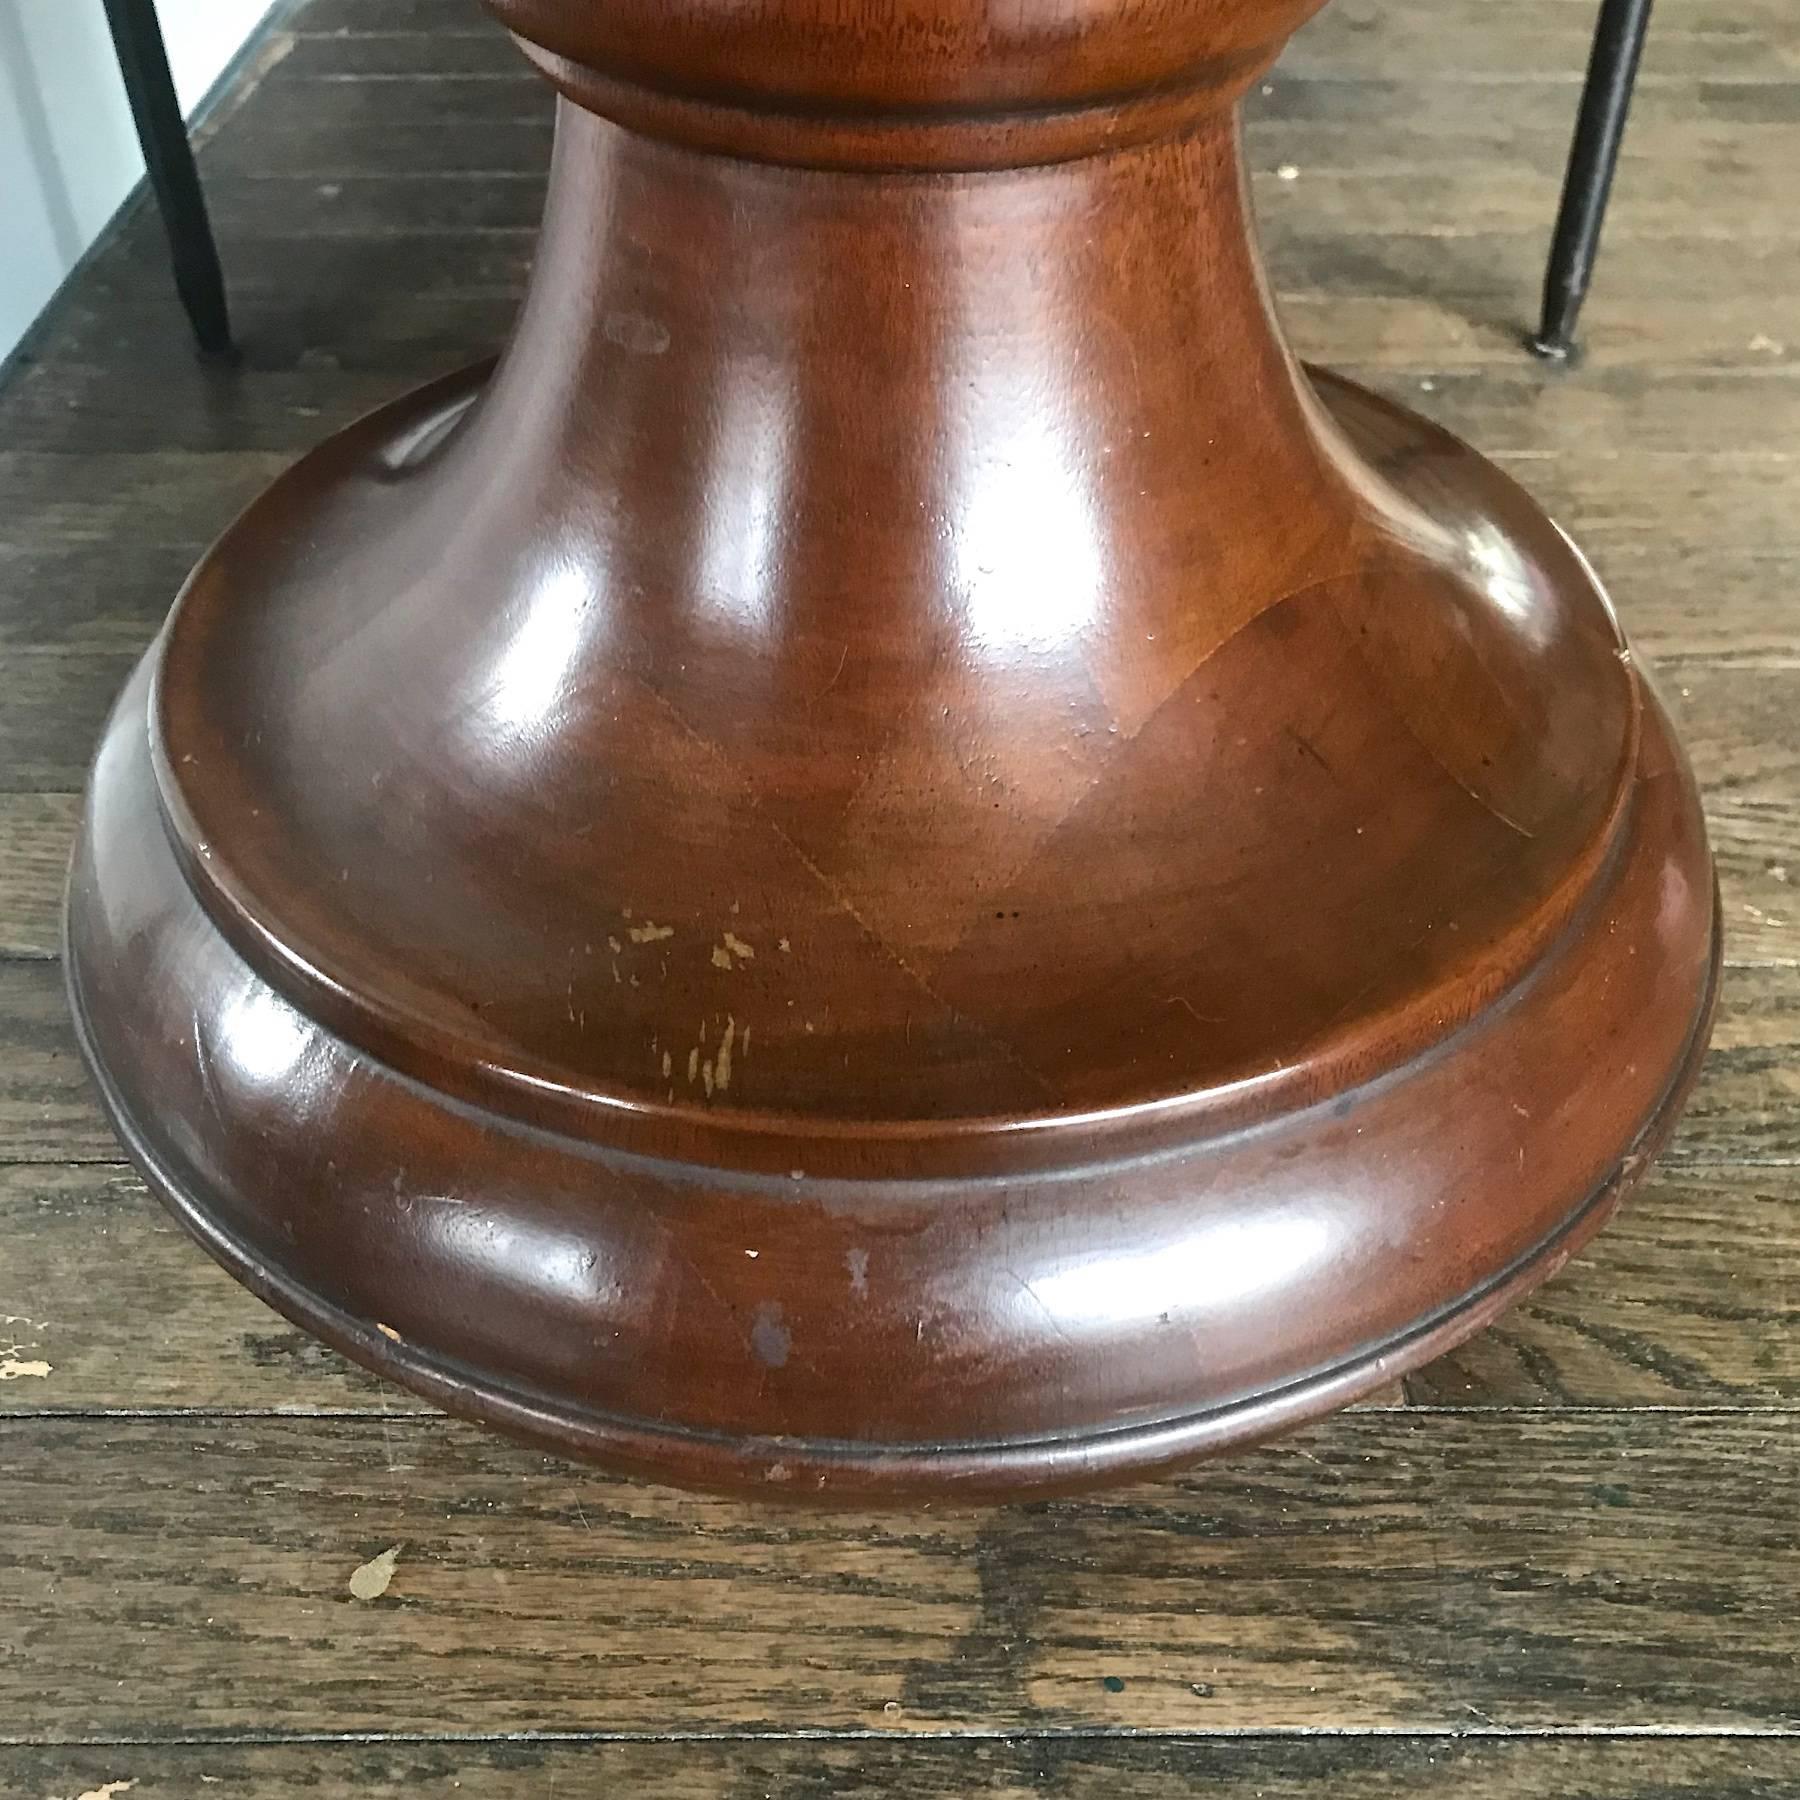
(1646, 1521)
(1134, 792)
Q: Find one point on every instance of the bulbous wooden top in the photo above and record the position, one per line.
(934, 81)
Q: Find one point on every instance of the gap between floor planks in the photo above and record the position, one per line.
(1016, 1767)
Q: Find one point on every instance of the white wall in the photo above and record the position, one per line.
(68, 152)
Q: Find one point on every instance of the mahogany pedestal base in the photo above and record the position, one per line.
(897, 859)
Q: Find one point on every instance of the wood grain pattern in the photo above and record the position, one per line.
(169, 498)
(1735, 719)
(1005, 1768)
(1687, 1302)
(1440, 1573)
(47, 1108)
(171, 1332)
(36, 833)
(1690, 1297)
(57, 701)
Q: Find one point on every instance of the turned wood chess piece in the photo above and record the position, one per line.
(896, 858)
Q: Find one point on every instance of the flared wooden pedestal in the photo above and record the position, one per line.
(896, 859)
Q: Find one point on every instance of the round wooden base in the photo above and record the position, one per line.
(1219, 1068)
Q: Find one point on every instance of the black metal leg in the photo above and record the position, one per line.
(169, 158)
(1594, 154)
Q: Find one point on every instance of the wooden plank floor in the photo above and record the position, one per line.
(1565, 1561)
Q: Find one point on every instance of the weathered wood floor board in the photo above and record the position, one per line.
(1520, 1571)
(1560, 1563)
(1143, 1768)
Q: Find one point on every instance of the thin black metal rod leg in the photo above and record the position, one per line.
(169, 158)
(1593, 156)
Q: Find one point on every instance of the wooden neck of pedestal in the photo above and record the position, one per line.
(1038, 402)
